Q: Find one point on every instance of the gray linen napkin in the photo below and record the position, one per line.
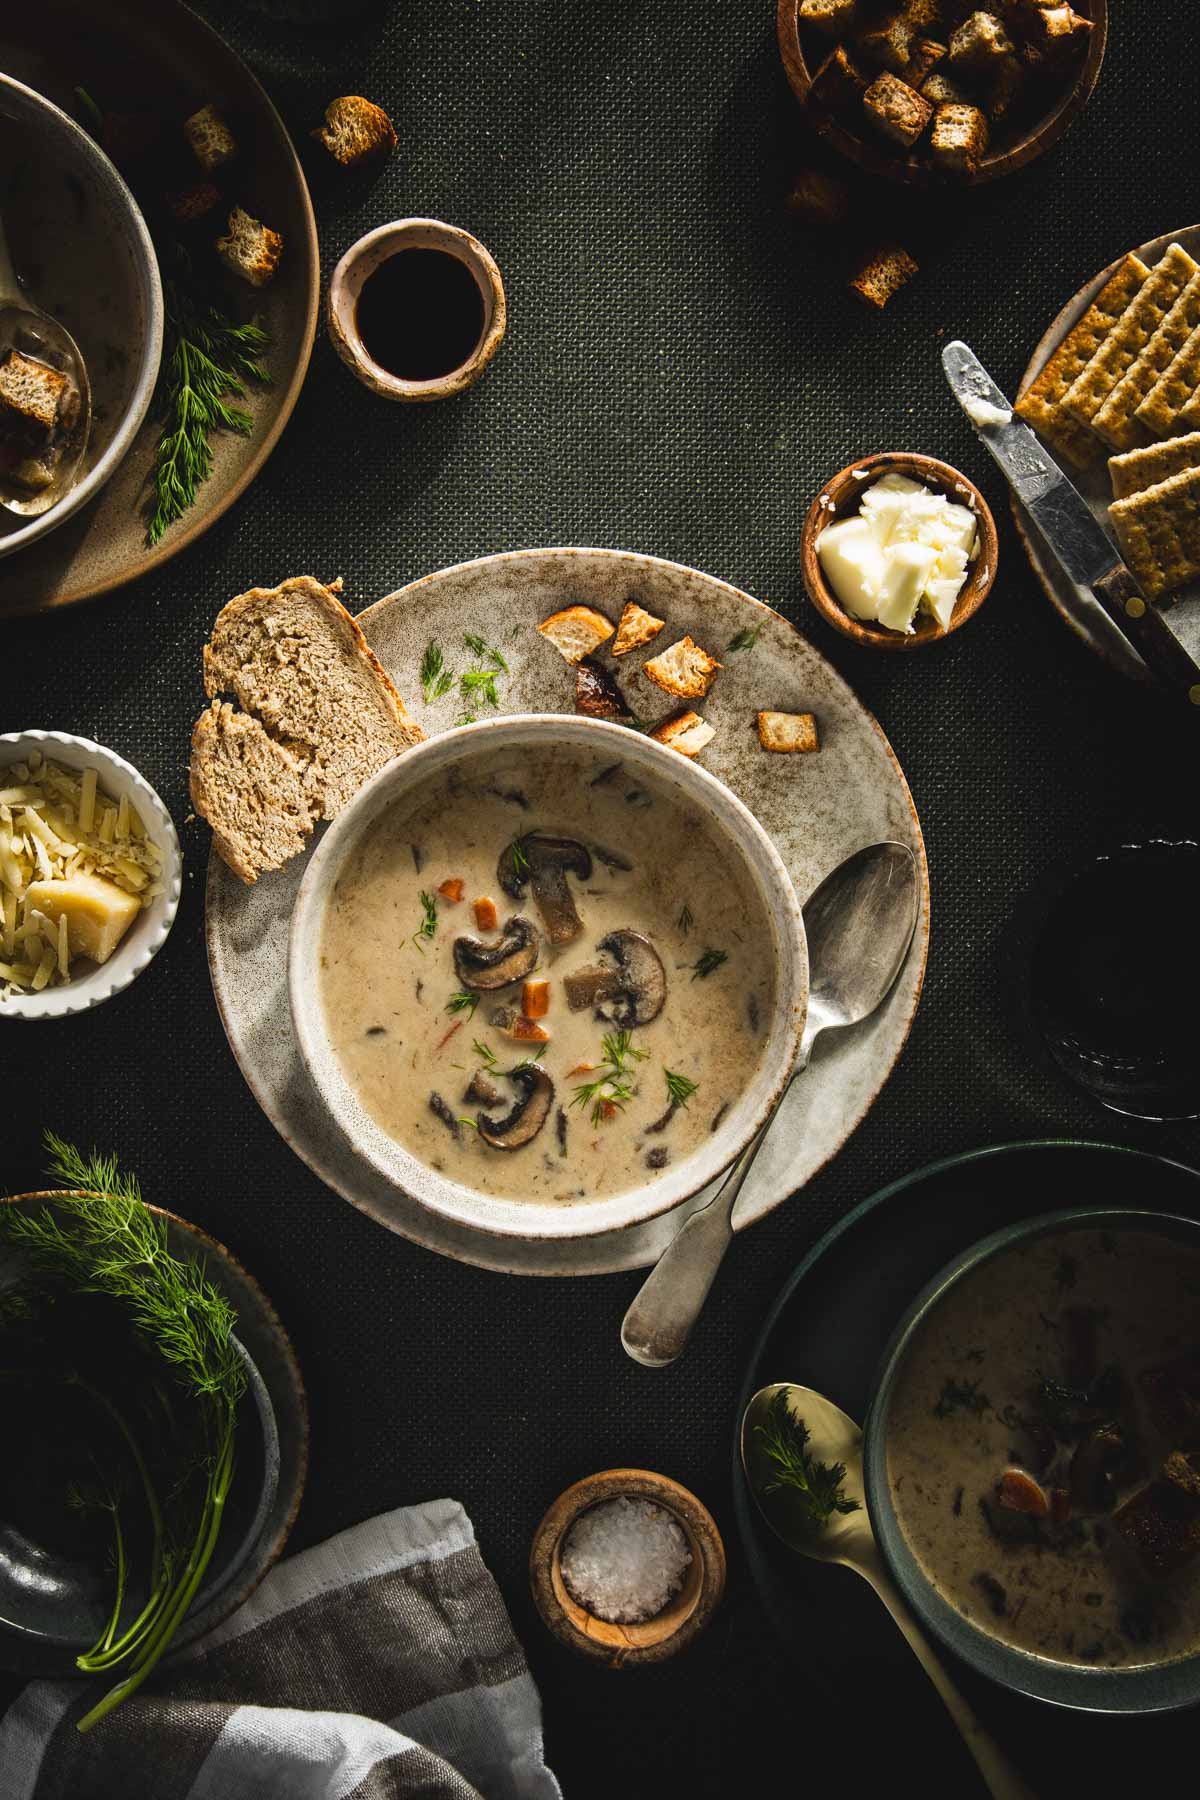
(379, 1664)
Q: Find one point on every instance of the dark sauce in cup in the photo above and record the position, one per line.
(420, 314)
(1115, 979)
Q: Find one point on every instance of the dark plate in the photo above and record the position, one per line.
(829, 1328)
(130, 54)
(273, 1463)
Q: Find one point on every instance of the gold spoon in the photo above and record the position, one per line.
(848, 1539)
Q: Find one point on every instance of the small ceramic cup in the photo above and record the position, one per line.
(842, 496)
(681, 1620)
(365, 257)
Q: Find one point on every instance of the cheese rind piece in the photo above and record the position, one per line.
(905, 572)
(851, 559)
(98, 912)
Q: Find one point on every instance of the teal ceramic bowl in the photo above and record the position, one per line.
(1147, 1688)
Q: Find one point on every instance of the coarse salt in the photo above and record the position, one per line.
(624, 1559)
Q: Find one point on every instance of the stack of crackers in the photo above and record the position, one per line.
(1127, 379)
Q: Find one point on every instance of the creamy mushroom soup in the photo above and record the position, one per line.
(547, 982)
(1042, 1446)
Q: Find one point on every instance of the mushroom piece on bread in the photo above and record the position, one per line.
(210, 139)
(689, 734)
(577, 631)
(250, 249)
(355, 131)
(318, 717)
(684, 670)
(635, 628)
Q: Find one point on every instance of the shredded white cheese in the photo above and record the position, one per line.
(48, 832)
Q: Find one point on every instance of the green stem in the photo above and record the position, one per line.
(114, 1617)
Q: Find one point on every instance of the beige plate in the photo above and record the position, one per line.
(130, 54)
(1082, 611)
(818, 809)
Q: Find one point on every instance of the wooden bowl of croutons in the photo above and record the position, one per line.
(935, 91)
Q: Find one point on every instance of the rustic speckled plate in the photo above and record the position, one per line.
(818, 809)
(130, 55)
(1078, 605)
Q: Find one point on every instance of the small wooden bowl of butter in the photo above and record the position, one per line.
(898, 550)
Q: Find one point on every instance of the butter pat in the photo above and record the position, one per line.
(905, 551)
(98, 912)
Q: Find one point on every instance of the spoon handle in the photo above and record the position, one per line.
(659, 1323)
(1000, 1777)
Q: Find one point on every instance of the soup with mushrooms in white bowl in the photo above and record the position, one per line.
(548, 976)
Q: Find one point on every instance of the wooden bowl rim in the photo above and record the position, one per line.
(616, 1647)
(877, 161)
(933, 472)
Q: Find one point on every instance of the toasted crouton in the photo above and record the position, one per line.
(787, 732)
(684, 670)
(636, 627)
(979, 42)
(1057, 31)
(959, 138)
(887, 43)
(250, 249)
(883, 274)
(355, 131)
(939, 90)
(212, 143)
(31, 396)
(833, 16)
(839, 82)
(576, 631)
(898, 110)
(191, 203)
(922, 15)
(818, 199)
(688, 734)
(927, 53)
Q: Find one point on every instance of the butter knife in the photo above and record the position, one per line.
(1066, 522)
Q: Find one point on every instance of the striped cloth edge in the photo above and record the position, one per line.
(378, 1664)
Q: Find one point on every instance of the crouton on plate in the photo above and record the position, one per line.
(577, 631)
(636, 627)
(898, 110)
(684, 670)
(959, 138)
(250, 249)
(688, 733)
(211, 141)
(787, 732)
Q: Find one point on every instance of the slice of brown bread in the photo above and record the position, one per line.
(320, 718)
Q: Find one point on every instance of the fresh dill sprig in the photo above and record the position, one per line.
(707, 962)
(436, 678)
(960, 1396)
(428, 926)
(686, 921)
(612, 1089)
(679, 1087)
(479, 685)
(484, 651)
(99, 1238)
(207, 359)
(486, 1055)
(463, 1002)
(745, 639)
(814, 1488)
(520, 861)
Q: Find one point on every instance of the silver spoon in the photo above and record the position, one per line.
(26, 328)
(848, 1539)
(859, 923)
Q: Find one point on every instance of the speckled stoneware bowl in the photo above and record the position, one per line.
(53, 1599)
(816, 809)
(361, 261)
(740, 838)
(1153, 1687)
(96, 270)
(148, 933)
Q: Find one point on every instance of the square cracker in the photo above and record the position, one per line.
(1129, 336)
(1115, 421)
(1158, 532)
(1174, 390)
(1142, 468)
(1041, 403)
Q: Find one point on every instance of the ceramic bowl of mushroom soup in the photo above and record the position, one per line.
(547, 976)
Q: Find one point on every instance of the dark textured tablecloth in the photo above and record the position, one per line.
(682, 369)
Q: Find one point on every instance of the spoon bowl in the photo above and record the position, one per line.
(848, 1538)
(33, 333)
